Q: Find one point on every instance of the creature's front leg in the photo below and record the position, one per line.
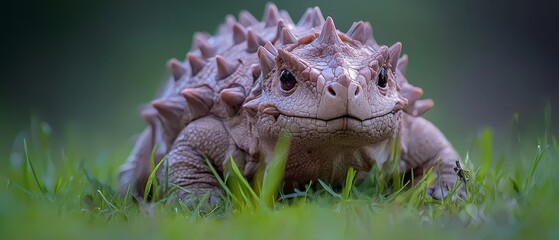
(202, 139)
(423, 147)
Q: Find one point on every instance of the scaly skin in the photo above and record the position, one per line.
(343, 97)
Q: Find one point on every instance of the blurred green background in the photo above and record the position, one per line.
(86, 67)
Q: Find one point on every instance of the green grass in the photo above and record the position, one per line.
(48, 193)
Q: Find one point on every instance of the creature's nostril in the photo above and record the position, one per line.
(357, 90)
(331, 90)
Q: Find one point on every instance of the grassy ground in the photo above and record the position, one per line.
(48, 193)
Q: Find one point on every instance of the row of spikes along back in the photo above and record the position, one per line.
(176, 111)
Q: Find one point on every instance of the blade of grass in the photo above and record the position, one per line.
(273, 175)
(112, 205)
(155, 183)
(184, 209)
(221, 182)
(166, 189)
(486, 146)
(96, 183)
(350, 177)
(35, 175)
(530, 178)
(25, 171)
(58, 185)
(247, 204)
(453, 190)
(242, 179)
(329, 189)
(126, 196)
(395, 171)
(11, 185)
(418, 193)
(152, 178)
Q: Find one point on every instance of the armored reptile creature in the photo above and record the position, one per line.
(343, 97)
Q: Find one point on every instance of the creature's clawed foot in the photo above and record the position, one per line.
(201, 199)
(442, 190)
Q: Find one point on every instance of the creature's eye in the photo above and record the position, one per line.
(287, 80)
(382, 78)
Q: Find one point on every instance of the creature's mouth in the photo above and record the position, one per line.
(276, 114)
(348, 117)
(344, 118)
(341, 123)
(343, 130)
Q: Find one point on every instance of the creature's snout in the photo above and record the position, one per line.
(343, 98)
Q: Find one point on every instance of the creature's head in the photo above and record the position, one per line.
(329, 85)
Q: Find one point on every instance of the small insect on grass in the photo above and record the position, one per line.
(463, 174)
